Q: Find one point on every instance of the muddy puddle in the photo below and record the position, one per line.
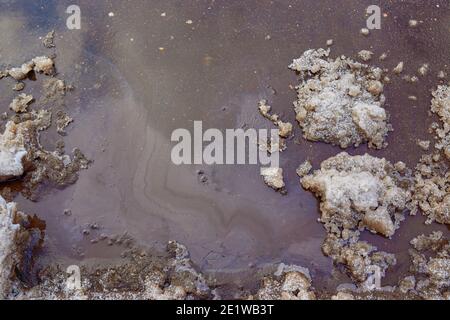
(140, 71)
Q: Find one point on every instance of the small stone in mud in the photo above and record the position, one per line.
(265, 109)
(412, 98)
(441, 74)
(43, 65)
(304, 168)
(365, 31)
(411, 79)
(365, 55)
(400, 166)
(21, 72)
(413, 23)
(62, 121)
(383, 56)
(19, 86)
(329, 42)
(21, 102)
(273, 177)
(399, 68)
(67, 212)
(423, 70)
(47, 41)
(294, 283)
(94, 226)
(424, 144)
(285, 128)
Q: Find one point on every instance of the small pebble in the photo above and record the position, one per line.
(423, 70)
(413, 23)
(94, 226)
(19, 86)
(365, 31)
(441, 75)
(399, 68)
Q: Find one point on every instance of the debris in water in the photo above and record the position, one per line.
(365, 31)
(19, 86)
(273, 177)
(20, 235)
(413, 23)
(423, 70)
(358, 192)
(48, 40)
(399, 68)
(21, 102)
(365, 55)
(304, 168)
(424, 144)
(340, 101)
(289, 283)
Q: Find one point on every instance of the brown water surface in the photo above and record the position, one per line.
(139, 74)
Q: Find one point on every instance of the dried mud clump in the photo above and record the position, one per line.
(432, 189)
(48, 40)
(340, 101)
(149, 277)
(357, 193)
(12, 151)
(284, 129)
(20, 235)
(21, 102)
(273, 177)
(432, 177)
(440, 105)
(360, 259)
(287, 283)
(21, 154)
(41, 64)
(304, 168)
(431, 267)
